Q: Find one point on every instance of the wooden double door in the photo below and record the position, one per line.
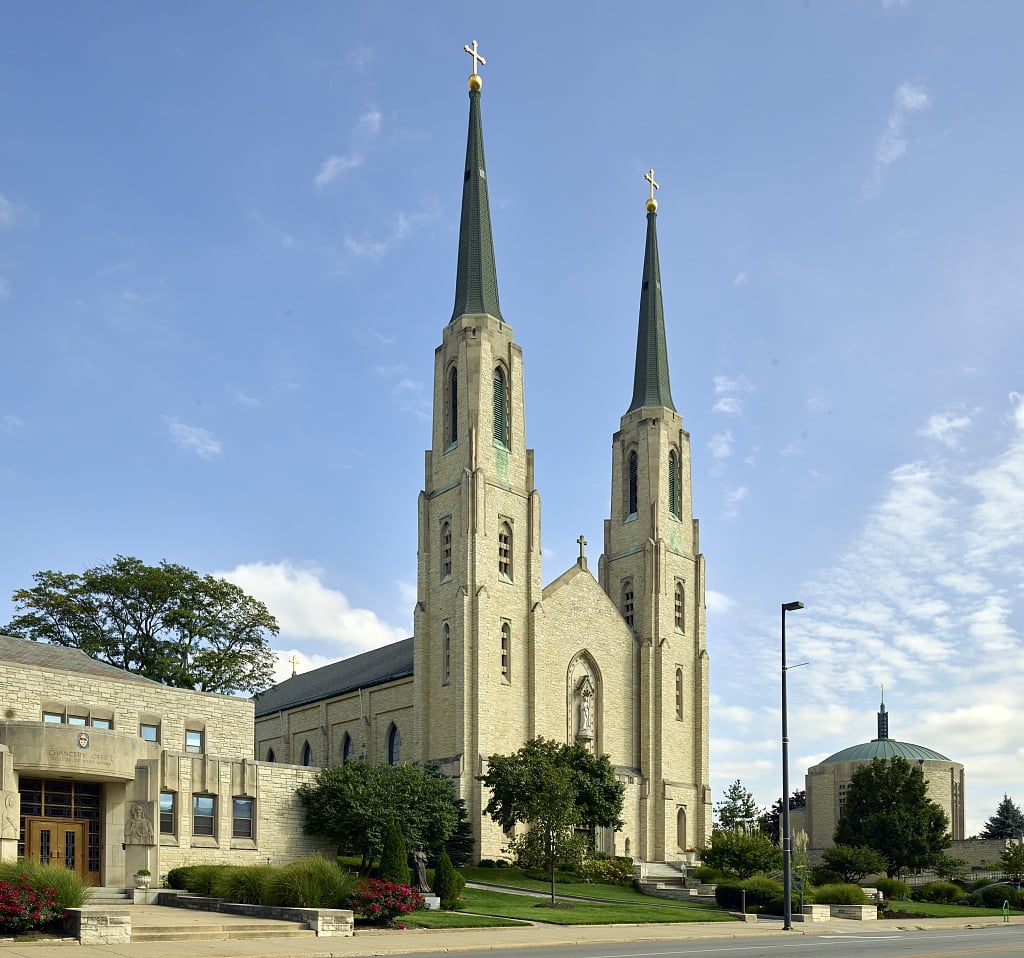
(59, 841)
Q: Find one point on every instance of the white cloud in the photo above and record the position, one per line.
(403, 224)
(721, 445)
(733, 498)
(11, 424)
(740, 279)
(306, 608)
(946, 428)
(729, 391)
(335, 166)
(8, 213)
(194, 438)
(892, 144)
(717, 601)
(370, 123)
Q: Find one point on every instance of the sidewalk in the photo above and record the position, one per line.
(419, 941)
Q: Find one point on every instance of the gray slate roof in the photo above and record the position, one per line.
(359, 671)
(43, 655)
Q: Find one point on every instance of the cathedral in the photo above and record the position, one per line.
(618, 662)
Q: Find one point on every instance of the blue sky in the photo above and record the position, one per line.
(227, 250)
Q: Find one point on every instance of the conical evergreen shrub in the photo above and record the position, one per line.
(448, 883)
(394, 860)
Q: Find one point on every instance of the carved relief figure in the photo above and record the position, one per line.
(138, 830)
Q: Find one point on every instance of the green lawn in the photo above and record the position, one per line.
(507, 905)
(455, 919)
(927, 909)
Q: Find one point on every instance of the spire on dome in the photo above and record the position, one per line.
(476, 280)
(883, 719)
(651, 381)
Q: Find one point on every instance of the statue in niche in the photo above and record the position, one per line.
(9, 824)
(585, 691)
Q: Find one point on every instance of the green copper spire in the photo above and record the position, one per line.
(476, 281)
(650, 381)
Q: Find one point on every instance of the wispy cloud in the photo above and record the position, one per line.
(194, 439)
(729, 392)
(733, 498)
(946, 428)
(403, 225)
(8, 212)
(908, 99)
(11, 424)
(740, 279)
(721, 445)
(367, 127)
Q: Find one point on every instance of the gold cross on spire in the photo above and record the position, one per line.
(474, 81)
(295, 664)
(652, 203)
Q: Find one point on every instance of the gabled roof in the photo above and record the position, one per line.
(43, 655)
(361, 671)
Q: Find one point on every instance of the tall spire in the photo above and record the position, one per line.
(650, 381)
(476, 281)
(883, 719)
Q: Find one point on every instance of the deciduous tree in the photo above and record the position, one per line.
(888, 809)
(553, 787)
(166, 622)
(351, 804)
(734, 851)
(853, 863)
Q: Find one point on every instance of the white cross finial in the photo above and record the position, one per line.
(472, 51)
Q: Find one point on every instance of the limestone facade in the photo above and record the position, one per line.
(101, 770)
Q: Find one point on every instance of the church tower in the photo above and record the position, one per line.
(653, 571)
(479, 565)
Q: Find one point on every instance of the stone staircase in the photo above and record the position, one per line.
(110, 896)
(668, 880)
(222, 929)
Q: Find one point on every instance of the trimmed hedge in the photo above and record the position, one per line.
(762, 895)
(940, 892)
(839, 894)
(893, 889)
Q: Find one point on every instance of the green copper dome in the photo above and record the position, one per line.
(885, 748)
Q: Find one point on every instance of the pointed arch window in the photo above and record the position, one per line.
(505, 550)
(675, 505)
(394, 745)
(631, 479)
(506, 652)
(627, 602)
(270, 755)
(307, 754)
(680, 608)
(452, 408)
(500, 407)
(446, 654)
(679, 694)
(347, 749)
(446, 550)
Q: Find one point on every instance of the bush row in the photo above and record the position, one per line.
(33, 896)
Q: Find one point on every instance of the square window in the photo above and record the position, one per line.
(78, 720)
(102, 723)
(53, 718)
(167, 815)
(194, 741)
(241, 817)
(203, 814)
(149, 733)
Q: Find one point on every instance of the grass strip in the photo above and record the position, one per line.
(456, 919)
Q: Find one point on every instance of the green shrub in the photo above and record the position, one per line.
(825, 876)
(486, 863)
(69, 891)
(176, 877)
(448, 883)
(993, 896)
(893, 889)
(394, 857)
(707, 874)
(942, 892)
(200, 879)
(762, 894)
(503, 863)
(841, 894)
(246, 884)
(312, 882)
(608, 871)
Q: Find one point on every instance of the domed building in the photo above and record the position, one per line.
(826, 785)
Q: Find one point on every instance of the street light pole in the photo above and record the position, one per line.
(787, 841)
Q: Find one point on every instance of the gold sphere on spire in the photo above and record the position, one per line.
(651, 205)
(475, 81)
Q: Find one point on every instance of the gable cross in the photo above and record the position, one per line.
(583, 543)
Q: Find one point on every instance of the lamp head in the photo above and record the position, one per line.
(791, 606)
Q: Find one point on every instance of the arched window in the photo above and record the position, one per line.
(506, 651)
(680, 608)
(394, 745)
(347, 749)
(681, 828)
(632, 480)
(446, 653)
(627, 602)
(675, 506)
(446, 550)
(270, 755)
(679, 694)
(307, 754)
(505, 550)
(500, 407)
(452, 419)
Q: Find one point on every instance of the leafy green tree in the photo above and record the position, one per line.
(948, 868)
(738, 808)
(853, 863)
(350, 805)
(742, 854)
(553, 788)
(166, 622)
(1008, 821)
(1012, 860)
(771, 821)
(394, 859)
(888, 809)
